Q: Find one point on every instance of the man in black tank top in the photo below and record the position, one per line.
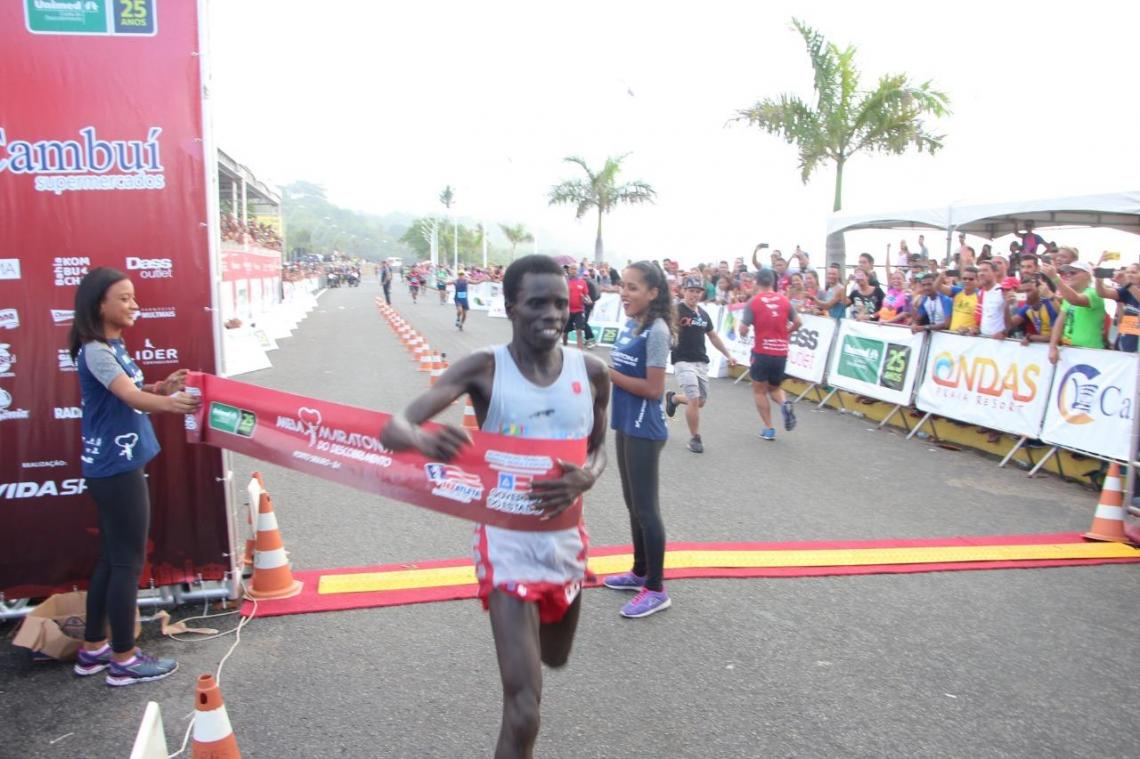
(537, 302)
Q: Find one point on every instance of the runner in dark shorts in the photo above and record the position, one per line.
(774, 319)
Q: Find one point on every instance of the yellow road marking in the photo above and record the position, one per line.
(408, 579)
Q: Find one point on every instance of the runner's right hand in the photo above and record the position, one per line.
(442, 443)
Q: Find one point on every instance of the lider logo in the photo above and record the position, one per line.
(983, 375)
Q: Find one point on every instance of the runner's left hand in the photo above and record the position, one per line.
(555, 496)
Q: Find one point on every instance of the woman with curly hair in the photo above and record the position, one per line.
(638, 374)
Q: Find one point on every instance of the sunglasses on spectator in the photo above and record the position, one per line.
(969, 278)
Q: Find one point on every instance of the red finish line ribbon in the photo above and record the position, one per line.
(488, 482)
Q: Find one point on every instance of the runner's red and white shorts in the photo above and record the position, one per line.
(544, 568)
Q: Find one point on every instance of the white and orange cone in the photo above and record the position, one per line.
(426, 361)
(253, 495)
(1108, 520)
(272, 577)
(437, 368)
(213, 734)
(470, 422)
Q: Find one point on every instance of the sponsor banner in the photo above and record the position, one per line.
(808, 347)
(999, 384)
(498, 308)
(101, 164)
(1090, 404)
(607, 319)
(488, 482)
(729, 329)
(876, 360)
(479, 296)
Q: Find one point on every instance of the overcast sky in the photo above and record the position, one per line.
(385, 103)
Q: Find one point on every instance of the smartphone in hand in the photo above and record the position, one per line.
(1104, 272)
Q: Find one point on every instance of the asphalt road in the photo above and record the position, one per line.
(981, 664)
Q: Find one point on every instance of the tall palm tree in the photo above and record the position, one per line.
(847, 120)
(600, 190)
(516, 235)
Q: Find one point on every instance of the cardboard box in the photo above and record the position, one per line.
(55, 628)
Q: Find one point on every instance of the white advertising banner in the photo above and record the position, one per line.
(999, 384)
(876, 360)
(1090, 404)
(498, 309)
(808, 347)
(607, 319)
(739, 347)
(480, 295)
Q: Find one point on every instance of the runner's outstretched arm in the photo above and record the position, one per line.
(403, 431)
(555, 496)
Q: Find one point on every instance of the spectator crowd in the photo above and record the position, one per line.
(1039, 292)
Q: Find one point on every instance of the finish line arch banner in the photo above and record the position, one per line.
(102, 163)
(999, 384)
(488, 482)
(876, 360)
(1090, 404)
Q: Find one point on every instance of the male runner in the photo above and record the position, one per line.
(461, 304)
(441, 283)
(579, 294)
(774, 319)
(529, 581)
(691, 360)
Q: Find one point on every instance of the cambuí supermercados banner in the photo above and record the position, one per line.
(488, 482)
(1090, 404)
(999, 384)
(876, 360)
(102, 163)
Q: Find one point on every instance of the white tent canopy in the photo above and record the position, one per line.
(1119, 210)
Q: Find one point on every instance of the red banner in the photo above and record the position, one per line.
(101, 164)
(488, 482)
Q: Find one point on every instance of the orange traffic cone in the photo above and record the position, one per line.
(1108, 521)
(437, 368)
(272, 577)
(469, 420)
(213, 735)
(426, 361)
(253, 495)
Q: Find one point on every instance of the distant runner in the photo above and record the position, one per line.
(461, 304)
(774, 319)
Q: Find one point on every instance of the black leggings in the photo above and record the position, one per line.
(638, 459)
(124, 518)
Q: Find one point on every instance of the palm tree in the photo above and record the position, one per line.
(600, 190)
(515, 235)
(447, 197)
(847, 120)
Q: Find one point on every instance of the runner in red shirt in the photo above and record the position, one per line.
(579, 298)
(774, 318)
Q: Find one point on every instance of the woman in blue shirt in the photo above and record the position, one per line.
(638, 374)
(118, 441)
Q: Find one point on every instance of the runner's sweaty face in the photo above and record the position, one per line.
(541, 310)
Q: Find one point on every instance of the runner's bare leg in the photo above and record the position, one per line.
(515, 627)
(760, 395)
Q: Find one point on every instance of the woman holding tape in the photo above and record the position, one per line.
(118, 441)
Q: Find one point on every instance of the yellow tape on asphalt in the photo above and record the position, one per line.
(409, 579)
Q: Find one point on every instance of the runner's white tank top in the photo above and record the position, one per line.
(514, 559)
(518, 407)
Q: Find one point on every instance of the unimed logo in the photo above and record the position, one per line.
(985, 376)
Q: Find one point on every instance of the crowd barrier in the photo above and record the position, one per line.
(264, 321)
(1083, 404)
